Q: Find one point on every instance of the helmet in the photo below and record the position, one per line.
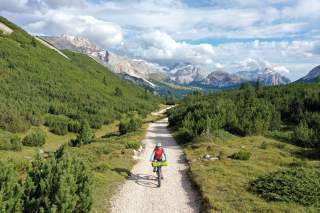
(159, 145)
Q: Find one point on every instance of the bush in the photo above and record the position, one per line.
(12, 143)
(11, 188)
(16, 143)
(85, 135)
(118, 92)
(184, 135)
(58, 185)
(37, 138)
(74, 126)
(302, 135)
(57, 124)
(297, 185)
(241, 155)
(130, 124)
(132, 145)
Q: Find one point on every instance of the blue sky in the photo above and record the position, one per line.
(214, 34)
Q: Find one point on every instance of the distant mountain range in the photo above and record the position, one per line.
(194, 75)
(184, 74)
(312, 76)
(137, 71)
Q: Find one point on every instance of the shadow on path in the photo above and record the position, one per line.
(144, 180)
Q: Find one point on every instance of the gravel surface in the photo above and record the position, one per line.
(140, 193)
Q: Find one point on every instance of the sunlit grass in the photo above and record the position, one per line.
(224, 183)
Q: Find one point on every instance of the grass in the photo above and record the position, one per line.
(223, 184)
(109, 158)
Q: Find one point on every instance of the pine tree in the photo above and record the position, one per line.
(118, 92)
(58, 185)
(11, 188)
(85, 135)
(258, 84)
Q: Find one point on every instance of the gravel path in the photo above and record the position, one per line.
(140, 193)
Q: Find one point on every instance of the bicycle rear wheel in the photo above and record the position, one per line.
(159, 176)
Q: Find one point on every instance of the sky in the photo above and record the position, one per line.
(215, 34)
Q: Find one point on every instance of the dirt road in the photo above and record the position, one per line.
(140, 193)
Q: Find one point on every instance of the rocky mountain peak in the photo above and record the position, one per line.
(312, 76)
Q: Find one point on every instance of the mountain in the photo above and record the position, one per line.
(152, 75)
(312, 76)
(267, 76)
(36, 81)
(220, 79)
(186, 74)
(137, 71)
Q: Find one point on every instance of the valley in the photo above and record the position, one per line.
(81, 112)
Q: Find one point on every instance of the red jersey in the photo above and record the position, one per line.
(158, 153)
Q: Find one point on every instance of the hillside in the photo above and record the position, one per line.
(35, 80)
(312, 76)
(253, 149)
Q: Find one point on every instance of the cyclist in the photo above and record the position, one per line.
(158, 154)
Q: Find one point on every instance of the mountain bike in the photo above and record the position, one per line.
(158, 165)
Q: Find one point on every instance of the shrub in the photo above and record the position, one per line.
(37, 138)
(184, 135)
(132, 145)
(34, 119)
(16, 143)
(298, 185)
(74, 126)
(130, 124)
(57, 124)
(118, 92)
(11, 189)
(58, 185)
(241, 155)
(96, 121)
(11, 143)
(302, 135)
(85, 135)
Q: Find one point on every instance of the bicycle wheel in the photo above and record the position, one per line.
(159, 176)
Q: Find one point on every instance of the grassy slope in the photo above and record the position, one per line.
(224, 183)
(108, 158)
(34, 78)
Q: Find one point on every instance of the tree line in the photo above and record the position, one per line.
(252, 111)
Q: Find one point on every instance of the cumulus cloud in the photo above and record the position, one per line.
(283, 32)
(251, 64)
(159, 46)
(13, 5)
(105, 34)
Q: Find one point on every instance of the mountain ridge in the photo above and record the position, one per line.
(312, 76)
(182, 73)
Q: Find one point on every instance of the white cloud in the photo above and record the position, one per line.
(105, 34)
(251, 64)
(13, 5)
(171, 30)
(159, 46)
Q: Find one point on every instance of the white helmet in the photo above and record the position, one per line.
(159, 145)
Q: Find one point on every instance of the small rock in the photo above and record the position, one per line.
(206, 157)
(135, 152)
(214, 158)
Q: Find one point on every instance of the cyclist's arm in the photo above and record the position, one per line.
(152, 156)
(165, 155)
